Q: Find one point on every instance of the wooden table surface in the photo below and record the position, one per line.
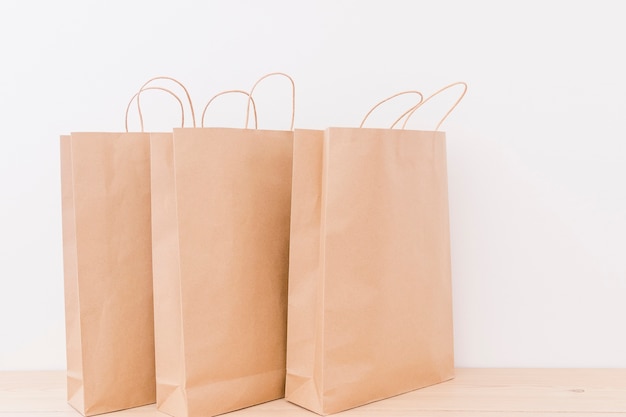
(473, 393)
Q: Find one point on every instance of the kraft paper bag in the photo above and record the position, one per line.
(370, 305)
(108, 270)
(221, 200)
(107, 249)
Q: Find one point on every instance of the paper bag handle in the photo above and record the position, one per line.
(136, 96)
(293, 95)
(456, 103)
(390, 98)
(250, 99)
(193, 115)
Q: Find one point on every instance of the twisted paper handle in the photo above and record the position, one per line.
(390, 98)
(136, 96)
(456, 103)
(193, 115)
(250, 99)
(293, 96)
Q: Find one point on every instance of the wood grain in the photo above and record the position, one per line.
(473, 393)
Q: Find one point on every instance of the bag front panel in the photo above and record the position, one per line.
(111, 178)
(387, 292)
(233, 191)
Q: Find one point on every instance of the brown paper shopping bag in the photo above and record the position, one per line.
(370, 313)
(105, 180)
(221, 206)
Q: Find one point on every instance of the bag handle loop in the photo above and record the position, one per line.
(456, 103)
(250, 99)
(293, 95)
(193, 115)
(136, 96)
(390, 98)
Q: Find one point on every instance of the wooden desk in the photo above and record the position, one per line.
(473, 393)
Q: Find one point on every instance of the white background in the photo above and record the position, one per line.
(536, 151)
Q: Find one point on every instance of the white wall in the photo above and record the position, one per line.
(537, 150)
